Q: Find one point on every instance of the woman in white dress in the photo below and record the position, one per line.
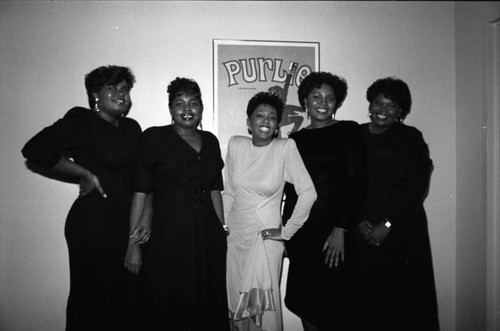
(256, 172)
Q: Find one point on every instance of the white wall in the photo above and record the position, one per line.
(47, 47)
(474, 239)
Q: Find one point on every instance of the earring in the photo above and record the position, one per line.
(200, 125)
(249, 131)
(96, 106)
(307, 113)
(400, 117)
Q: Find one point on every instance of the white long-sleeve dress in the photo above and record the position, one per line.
(254, 182)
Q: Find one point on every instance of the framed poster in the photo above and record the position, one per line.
(242, 68)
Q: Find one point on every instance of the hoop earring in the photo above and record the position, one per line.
(96, 106)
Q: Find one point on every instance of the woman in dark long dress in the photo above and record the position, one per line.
(102, 143)
(320, 253)
(395, 280)
(183, 281)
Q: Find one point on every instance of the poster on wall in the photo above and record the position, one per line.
(242, 68)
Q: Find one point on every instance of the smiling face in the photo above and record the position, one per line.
(321, 104)
(186, 111)
(383, 113)
(263, 123)
(113, 101)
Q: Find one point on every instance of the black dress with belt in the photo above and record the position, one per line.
(335, 159)
(183, 277)
(102, 291)
(395, 281)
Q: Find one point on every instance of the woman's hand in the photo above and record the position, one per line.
(334, 247)
(364, 229)
(90, 182)
(133, 258)
(271, 234)
(140, 235)
(378, 234)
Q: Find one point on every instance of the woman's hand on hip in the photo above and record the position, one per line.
(90, 182)
(271, 234)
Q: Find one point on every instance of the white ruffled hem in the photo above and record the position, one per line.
(253, 304)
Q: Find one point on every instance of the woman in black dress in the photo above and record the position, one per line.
(96, 146)
(183, 281)
(320, 253)
(395, 281)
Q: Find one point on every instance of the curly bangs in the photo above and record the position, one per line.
(391, 88)
(266, 98)
(316, 80)
(183, 86)
(106, 76)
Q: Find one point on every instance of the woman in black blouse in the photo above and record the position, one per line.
(395, 281)
(183, 265)
(321, 252)
(97, 147)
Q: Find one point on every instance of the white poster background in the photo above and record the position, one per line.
(244, 68)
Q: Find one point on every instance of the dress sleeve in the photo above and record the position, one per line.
(143, 178)
(355, 182)
(408, 197)
(296, 173)
(68, 133)
(228, 194)
(218, 184)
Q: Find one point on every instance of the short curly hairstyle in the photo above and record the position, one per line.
(316, 80)
(183, 86)
(106, 76)
(266, 98)
(391, 88)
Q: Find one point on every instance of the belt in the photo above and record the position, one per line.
(197, 195)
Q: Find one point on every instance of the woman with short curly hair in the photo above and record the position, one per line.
(321, 252)
(96, 146)
(394, 283)
(183, 283)
(256, 171)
